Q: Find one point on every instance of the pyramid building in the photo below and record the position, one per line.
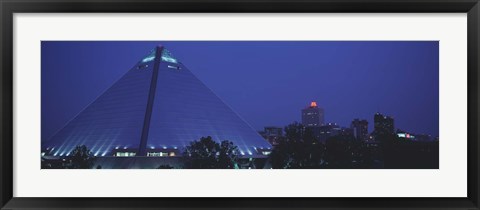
(156, 109)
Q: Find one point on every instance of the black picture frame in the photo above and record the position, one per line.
(9, 7)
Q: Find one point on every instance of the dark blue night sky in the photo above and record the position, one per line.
(266, 83)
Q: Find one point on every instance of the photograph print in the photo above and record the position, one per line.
(239, 105)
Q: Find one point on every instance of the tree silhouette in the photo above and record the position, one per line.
(407, 154)
(81, 158)
(208, 154)
(280, 156)
(338, 153)
(300, 149)
(227, 157)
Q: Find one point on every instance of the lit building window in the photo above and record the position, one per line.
(125, 154)
(174, 67)
(159, 154)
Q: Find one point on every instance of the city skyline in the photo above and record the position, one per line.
(260, 107)
(355, 120)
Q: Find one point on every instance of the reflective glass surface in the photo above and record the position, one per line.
(185, 109)
(114, 119)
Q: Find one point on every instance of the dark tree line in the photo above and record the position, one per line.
(301, 150)
(208, 154)
(81, 158)
(346, 152)
(298, 149)
(201, 154)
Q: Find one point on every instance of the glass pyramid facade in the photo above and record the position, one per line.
(158, 107)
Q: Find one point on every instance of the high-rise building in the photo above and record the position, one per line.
(328, 130)
(383, 126)
(156, 109)
(312, 116)
(360, 129)
(346, 131)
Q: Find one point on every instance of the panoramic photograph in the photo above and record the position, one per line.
(239, 105)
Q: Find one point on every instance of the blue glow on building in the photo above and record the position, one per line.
(149, 57)
(168, 57)
(179, 108)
